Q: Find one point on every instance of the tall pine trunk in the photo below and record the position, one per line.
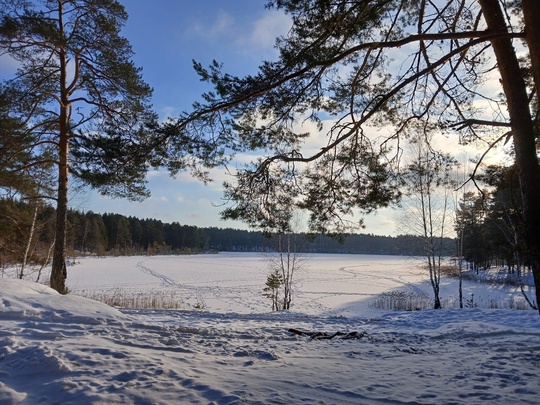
(59, 270)
(520, 116)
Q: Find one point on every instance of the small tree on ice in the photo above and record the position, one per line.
(273, 285)
(284, 266)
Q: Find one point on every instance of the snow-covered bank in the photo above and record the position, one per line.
(70, 350)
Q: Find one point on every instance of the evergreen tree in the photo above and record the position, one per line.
(505, 214)
(272, 288)
(471, 217)
(80, 96)
(95, 237)
(136, 230)
(16, 175)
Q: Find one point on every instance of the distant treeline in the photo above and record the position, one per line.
(249, 241)
(29, 230)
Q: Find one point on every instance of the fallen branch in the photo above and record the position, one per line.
(325, 335)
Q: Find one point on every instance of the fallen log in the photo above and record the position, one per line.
(325, 335)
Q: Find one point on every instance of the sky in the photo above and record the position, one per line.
(166, 36)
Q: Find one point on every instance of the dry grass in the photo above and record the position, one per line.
(412, 301)
(450, 271)
(136, 300)
(402, 300)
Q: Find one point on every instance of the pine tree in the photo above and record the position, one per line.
(80, 96)
(273, 284)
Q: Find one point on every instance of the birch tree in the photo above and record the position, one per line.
(427, 212)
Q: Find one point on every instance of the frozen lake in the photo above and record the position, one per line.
(328, 284)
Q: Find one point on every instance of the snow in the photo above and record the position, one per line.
(71, 350)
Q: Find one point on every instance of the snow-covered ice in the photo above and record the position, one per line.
(71, 350)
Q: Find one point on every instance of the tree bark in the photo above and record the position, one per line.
(59, 270)
(531, 15)
(29, 243)
(520, 118)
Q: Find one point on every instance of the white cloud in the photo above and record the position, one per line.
(382, 222)
(157, 174)
(267, 28)
(223, 23)
(257, 39)
(237, 36)
(169, 112)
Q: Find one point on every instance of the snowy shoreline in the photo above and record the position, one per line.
(72, 350)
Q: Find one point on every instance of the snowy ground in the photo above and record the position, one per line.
(71, 350)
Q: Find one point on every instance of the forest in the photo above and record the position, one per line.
(484, 230)
(30, 236)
